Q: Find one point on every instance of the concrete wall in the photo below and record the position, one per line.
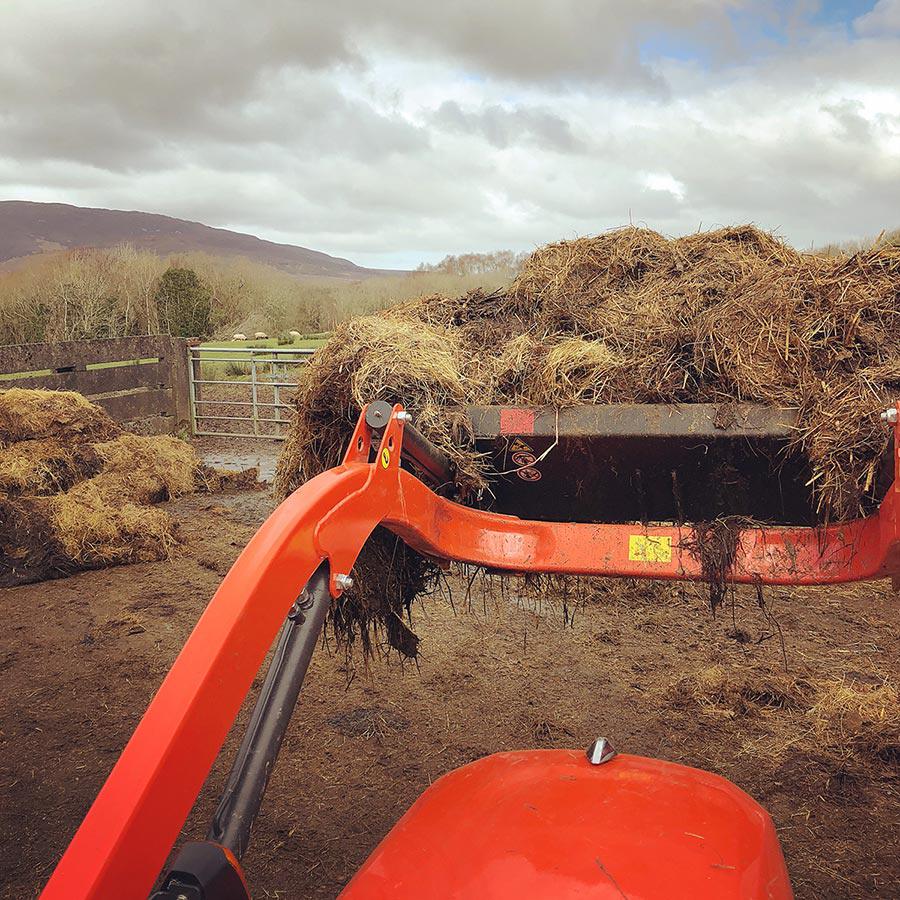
(141, 378)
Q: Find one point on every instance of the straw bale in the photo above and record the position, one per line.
(29, 550)
(98, 525)
(153, 468)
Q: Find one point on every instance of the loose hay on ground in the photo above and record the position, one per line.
(848, 721)
(77, 493)
(732, 693)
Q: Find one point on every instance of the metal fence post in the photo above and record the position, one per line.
(179, 358)
(192, 390)
(255, 394)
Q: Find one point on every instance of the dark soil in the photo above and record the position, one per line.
(82, 656)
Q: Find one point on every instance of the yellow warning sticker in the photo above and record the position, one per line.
(643, 548)
(385, 458)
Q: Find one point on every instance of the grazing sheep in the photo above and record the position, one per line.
(294, 334)
(260, 336)
(239, 337)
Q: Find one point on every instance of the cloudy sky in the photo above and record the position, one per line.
(396, 131)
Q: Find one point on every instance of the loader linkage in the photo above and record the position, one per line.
(299, 560)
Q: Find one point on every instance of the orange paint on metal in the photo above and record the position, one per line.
(851, 551)
(547, 823)
(517, 421)
(128, 832)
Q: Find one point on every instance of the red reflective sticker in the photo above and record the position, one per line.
(516, 421)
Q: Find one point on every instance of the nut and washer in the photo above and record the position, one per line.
(344, 582)
(890, 416)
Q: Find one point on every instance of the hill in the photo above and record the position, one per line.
(28, 228)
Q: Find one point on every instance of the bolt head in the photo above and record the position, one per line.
(344, 582)
(890, 416)
(601, 751)
(404, 416)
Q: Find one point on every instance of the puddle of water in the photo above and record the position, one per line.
(239, 459)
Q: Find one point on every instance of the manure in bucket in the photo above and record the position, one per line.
(726, 316)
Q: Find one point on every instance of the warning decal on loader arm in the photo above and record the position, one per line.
(642, 548)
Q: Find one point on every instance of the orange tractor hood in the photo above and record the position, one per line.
(549, 824)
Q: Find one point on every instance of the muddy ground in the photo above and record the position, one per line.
(81, 657)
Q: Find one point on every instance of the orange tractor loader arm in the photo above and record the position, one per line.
(299, 560)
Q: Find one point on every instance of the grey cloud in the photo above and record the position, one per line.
(143, 74)
(502, 127)
(120, 85)
(162, 59)
(526, 40)
(855, 128)
(813, 185)
(366, 128)
(307, 115)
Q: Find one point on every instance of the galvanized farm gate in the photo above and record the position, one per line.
(243, 391)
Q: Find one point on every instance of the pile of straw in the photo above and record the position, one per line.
(630, 316)
(45, 466)
(61, 415)
(77, 493)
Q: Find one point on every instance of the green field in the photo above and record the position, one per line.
(305, 341)
(228, 363)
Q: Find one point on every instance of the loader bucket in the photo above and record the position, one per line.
(621, 463)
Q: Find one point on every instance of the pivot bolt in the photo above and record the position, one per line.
(600, 751)
(404, 416)
(890, 416)
(344, 582)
